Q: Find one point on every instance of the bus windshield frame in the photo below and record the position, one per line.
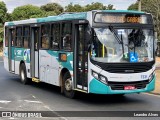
(127, 42)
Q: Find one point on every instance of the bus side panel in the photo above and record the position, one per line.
(5, 57)
(22, 54)
(49, 67)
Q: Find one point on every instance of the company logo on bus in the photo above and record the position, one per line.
(26, 54)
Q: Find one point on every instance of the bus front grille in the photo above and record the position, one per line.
(128, 69)
(121, 85)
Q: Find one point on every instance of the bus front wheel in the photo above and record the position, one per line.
(23, 74)
(67, 86)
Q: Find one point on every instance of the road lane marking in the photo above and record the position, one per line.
(30, 101)
(4, 101)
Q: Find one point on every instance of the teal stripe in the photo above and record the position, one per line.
(82, 15)
(11, 23)
(66, 64)
(22, 54)
(97, 87)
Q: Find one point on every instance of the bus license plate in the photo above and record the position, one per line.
(129, 87)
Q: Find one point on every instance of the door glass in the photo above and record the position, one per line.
(36, 35)
(13, 35)
(82, 57)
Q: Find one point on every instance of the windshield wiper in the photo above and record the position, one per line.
(115, 34)
(119, 40)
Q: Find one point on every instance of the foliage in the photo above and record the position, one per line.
(88, 7)
(26, 12)
(153, 7)
(3, 18)
(3, 11)
(51, 8)
(1, 34)
(50, 13)
(110, 7)
(74, 8)
(133, 6)
(95, 6)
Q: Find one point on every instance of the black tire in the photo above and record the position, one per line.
(68, 93)
(23, 74)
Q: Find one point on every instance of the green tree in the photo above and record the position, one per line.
(1, 33)
(8, 17)
(74, 8)
(153, 7)
(110, 7)
(26, 12)
(52, 8)
(50, 13)
(133, 6)
(3, 12)
(98, 6)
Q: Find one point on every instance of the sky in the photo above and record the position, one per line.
(118, 4)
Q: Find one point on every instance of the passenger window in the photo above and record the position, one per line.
(55, 36)
(26, 36)
(67, 36)
(19, 40)
(45, 32)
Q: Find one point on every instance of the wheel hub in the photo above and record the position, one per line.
(68, 84)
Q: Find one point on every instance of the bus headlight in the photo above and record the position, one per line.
(95, 75)
(151, 77)
(99, 77)
(103, 79)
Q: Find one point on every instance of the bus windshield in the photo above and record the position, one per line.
(122, 45)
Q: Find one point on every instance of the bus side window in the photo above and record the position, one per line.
(18, 41)
(55, 36)
(67, 36)
(45, 36)
(26, 36)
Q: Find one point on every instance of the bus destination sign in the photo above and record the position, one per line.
(122, 18)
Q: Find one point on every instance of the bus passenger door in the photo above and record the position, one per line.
(80, 58)
(35, 52)
(11, 50)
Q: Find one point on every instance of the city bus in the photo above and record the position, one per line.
(97, 52)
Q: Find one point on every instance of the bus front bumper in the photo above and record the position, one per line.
(98, 87)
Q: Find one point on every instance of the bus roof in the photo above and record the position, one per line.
(67, 16)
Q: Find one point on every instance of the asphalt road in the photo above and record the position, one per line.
(15, 96)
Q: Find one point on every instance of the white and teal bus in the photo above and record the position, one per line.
(99, 52)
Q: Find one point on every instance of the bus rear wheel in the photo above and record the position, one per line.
(67, 86)
(23, 74)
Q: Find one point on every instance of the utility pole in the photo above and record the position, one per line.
(139, 5)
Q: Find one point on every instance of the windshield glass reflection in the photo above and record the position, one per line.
(122, 45)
